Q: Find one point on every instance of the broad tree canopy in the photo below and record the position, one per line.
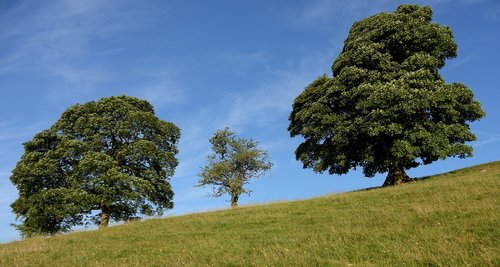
(386, 108)
(101, 161)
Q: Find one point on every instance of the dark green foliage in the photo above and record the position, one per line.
(386, 108)
(234, 162)
(109, 159)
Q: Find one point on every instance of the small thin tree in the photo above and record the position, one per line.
(234, 162)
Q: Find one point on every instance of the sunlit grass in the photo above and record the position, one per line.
(450, 219)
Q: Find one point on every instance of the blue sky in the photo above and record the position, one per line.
(206, 65)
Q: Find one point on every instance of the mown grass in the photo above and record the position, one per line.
(447, 220)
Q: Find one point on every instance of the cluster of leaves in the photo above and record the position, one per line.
(100, 160)
(386, 108)
(234, 161)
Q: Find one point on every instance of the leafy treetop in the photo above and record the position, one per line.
(233, 163)
(386, 108)
(102, 160)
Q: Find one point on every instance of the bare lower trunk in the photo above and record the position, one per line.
(396, 176)
(104, 218)
(234, 201)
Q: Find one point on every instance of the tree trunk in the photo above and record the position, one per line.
(396, 176)
(234, 201)
(104, 218)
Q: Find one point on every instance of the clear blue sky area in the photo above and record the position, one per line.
(205, 65)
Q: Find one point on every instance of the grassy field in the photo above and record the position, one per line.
(447, 220)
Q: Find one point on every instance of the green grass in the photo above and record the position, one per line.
(447, 220)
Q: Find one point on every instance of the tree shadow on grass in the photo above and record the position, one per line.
(412, 180)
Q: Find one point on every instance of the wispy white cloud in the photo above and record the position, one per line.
(160, 88)
(241, 63)
(8, 192)
(4, 174)
(485, 142)
(492, 13)
(459, 62)
(51, 34)
(488, 134)
(193, 146)
(190, 193)
(9, 195)
(325, 10)
(60, 39)
(271, 100)
(467, 2)
(85, 78)
(485, 138)
(262, 106)
(20, 132)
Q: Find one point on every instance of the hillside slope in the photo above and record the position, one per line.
(449, 219)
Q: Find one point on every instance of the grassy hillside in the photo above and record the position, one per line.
(449, 219)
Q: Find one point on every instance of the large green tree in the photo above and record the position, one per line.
(101, 161)
(233, 163)
(386, 108)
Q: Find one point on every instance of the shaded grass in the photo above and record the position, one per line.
(449, 219)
